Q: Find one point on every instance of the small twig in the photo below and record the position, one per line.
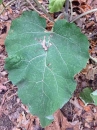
(94, 59)
(28, 1)
(9, 3)
(18, 4)
(83, 14)
(5, 6)
(6, 82)
(25, 3)
(37, 10)
(14, 94)
(44, 10)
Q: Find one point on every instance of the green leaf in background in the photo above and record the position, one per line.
(42, 63)
(94, 96)
(85, 95)
(1, 1)
(55, 5)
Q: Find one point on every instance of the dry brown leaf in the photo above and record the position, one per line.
(61, 123)
(88, 25)
(2, 87)
(90, 71)
(3, 36)
(49, 26)
(76, 103)
(22, 121)
(82, 104)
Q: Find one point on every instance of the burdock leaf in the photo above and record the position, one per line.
(42, 63)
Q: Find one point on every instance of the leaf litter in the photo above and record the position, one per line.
(17, 114)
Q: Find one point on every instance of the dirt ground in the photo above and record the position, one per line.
(75, 115)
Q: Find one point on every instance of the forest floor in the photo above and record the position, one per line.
(75, 115)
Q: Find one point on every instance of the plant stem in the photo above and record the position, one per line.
(71, 12)
(83, 14)
(44, 10)
(65, 12)
(66, 9)
(60, 15)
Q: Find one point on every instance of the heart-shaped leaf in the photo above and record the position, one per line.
(42, 64)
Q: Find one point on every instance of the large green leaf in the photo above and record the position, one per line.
(55, 5)
(42, 64)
